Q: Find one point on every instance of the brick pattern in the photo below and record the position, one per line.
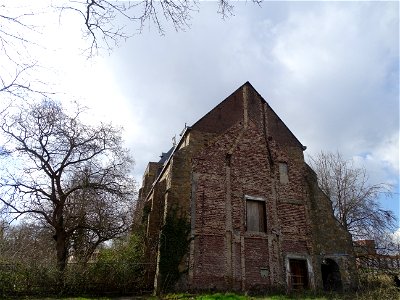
(232, 152)
(256, 258)
(250, 174)
(223, 116)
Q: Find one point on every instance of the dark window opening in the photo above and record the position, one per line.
(256, 216)
(298, 274)
(331, 277)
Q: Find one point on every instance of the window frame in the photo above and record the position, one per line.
(283, 177)
(264, 208)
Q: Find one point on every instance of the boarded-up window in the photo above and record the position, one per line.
(256, 219)
(283, 173)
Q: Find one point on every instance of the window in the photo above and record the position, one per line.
(255, 215)
(283, 173)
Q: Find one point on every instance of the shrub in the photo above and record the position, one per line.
(118, 270)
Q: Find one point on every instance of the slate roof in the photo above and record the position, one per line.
(164, 156)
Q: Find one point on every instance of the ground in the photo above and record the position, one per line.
(379, 293)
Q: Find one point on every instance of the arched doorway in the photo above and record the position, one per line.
(331, 277)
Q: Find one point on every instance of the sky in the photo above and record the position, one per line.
(330, 70)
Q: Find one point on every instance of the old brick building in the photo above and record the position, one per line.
(256, 215)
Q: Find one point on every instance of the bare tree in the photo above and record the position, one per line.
(26, 243)
(66, 174)
(354, 198)
(103, 23)
(19, 34)
(100, 17)
(95, 216)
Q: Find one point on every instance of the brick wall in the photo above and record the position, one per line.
(330, 239)
(243, 161)
(233, 152)
(223, 116)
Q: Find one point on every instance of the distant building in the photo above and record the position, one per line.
(368, 258)
(257, 217)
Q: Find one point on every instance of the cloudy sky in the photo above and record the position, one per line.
(329, 69)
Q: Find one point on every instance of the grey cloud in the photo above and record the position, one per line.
(330, 70)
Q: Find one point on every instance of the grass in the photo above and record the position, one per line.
(232, 296)
(376, 294)
(372, 287)
(384, 293)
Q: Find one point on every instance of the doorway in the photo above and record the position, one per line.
(298, 274)
(331, 277)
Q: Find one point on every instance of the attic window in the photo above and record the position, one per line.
(255, 215)
(283, 173)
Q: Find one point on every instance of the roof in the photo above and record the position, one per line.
(227, 113)
(164, 156)
(218, 110)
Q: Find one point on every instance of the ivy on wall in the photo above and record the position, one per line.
(146, 212)
(174, 244)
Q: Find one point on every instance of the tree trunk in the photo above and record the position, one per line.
(61, 249)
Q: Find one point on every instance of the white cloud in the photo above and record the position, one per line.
(340, 78)
(330, 70)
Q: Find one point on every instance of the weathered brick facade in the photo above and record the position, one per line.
(238, 159)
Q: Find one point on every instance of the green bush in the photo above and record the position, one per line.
(117, 270)
(377, 285)
(17, 279)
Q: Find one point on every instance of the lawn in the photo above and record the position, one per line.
(240, 297)
(377, 294)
